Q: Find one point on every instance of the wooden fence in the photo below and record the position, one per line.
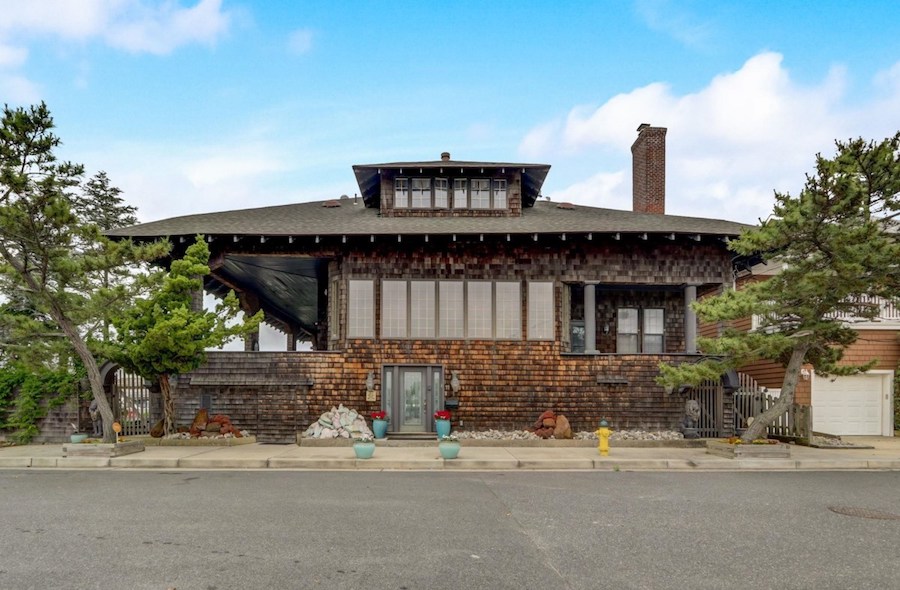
(751, 400)
(131, 403)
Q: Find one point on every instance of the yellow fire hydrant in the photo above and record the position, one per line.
(603, 435)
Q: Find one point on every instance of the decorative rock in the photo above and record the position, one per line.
(340, 422)
(563, 429)
(200, 420)
(158, 430)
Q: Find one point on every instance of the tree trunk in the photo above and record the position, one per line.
(93, 373)
(784, 401)
(168, 404)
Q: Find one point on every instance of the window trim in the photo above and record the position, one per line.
(641, 332)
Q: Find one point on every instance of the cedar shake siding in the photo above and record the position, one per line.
(346, 274)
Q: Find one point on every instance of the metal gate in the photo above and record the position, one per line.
(711, 397)
(131, 402)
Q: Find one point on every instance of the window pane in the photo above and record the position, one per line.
(653, 321)
(540, 311)
(451, 312)
(653, 343)
(401, 193)
(479, 313)
(627, 330)
(481, 193)
(393, 309)
(460, 193)
(421, 192)
(509, 310)
(626, 343)
(499, 194)
(422, 309)
(440, 193)
(361, 309)
(654, 329)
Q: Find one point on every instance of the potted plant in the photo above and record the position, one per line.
(442, 423)
(449, 446)
(379, 423)
(364, 447)
(77, 436)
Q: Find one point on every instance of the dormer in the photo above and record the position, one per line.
(450, 188)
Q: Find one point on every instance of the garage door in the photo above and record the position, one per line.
(849, 405)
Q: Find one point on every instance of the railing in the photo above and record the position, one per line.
(887, 311)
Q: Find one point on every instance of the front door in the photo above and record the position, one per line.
(410, 396)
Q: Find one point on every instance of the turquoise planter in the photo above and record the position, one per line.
(78, 437)
(364, 450)
(379, 427)
(442, 427)
(449, 449)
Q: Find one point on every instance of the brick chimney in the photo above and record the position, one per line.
(648, 153)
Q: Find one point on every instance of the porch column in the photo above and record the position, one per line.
(590, 317)
(690, 320)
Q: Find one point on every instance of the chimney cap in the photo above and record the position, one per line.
(643, 126)
(445, 156)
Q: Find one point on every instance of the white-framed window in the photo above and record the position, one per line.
(451, 312)
(361, 309)
(540, 310)
(499, 195)
(480, 193)
(401, 193)
(479, 309)
(640, 330)
(441, 193)
(421, 193)
(627, 330)
(393, 309)
(460, 193)
(421, 311)
(654, 330)
(509, 310)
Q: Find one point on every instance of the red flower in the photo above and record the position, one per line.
(442, 415)
(379, 415)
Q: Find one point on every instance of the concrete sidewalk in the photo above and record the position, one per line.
(885, 455)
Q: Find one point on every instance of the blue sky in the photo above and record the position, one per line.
(195, 106)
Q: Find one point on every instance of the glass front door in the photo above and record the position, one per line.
(410, 395)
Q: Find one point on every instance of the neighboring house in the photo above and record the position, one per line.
(852, 405)
(454, 284)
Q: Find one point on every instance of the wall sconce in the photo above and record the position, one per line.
(454, 382)
(370, 387)
(805, 374)
(310, 382)
(606, 328)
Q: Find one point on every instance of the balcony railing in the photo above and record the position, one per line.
(887, 311)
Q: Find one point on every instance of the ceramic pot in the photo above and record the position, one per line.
(379, 427)
(442, 427)
(364, 450)
(449, 449)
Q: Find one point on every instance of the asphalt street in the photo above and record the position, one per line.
(406, 530)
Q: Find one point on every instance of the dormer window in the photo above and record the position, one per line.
(434, 193)
(401, 193)
(441, 193)
(421, 193)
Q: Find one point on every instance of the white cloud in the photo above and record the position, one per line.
(729, 145)
(663, 17)
(12, 57)
(227, 167)
(300, 42)
(18, 89)
(134, 25)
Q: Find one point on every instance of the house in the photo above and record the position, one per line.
(454, 284)
(850, 405)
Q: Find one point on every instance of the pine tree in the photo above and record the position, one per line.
(837, 243)
(163, 336)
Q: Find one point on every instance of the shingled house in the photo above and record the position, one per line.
(454, 284)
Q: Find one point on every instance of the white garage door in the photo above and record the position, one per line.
(849, 405)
